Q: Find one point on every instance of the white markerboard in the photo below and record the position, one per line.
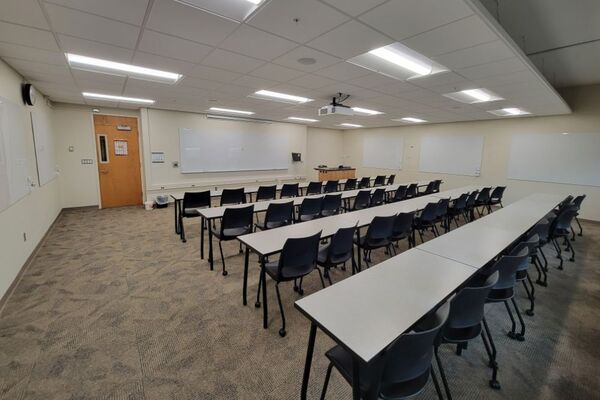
(14, 165)
(248, 150)
(382, 151)
(44, 147)
(457, 155)
(557, 158)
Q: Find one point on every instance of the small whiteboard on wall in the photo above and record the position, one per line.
(457, 155)
(381, 151)
(44, 147)
(573, 158)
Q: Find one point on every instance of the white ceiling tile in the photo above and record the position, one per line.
(349, 40)
(374, 80)
(314, 18)
(89, 48)
(32, 54)
(254, 82)
(199, 83)
(312, 81)
(403, 19)
(23, 12)
(443, 78)
(343, 71)
(290, 59)
(173, 47)
(457, 35)
(25, 36)
(354, 7)
(130, 11)
(492, 69)
(215, 74)
(255, 43)
(86, 76)
(174, 18)
(480, 54)
(231, 61)
(87, 26)
(162, 63)
(276, 73)
(396, 87)
(354, 91)
(41, 72)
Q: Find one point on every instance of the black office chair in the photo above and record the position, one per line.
(482, 200)
(436, 185)
(412, 191)
(379, 235)
(457, 209)
(233, 196)
(466, 321)
(377, 198)
(391, 179)
(399, 194)
(561, 228)
(266, 193)
(361, 201)
(496, 197)
(236, 221)
(338, 251)
(298, 258)
(289, 190)
(350, 184)
(331, 187)
(404, 368)
(277, 215)
(470, 209)
(429, 189)
(426, 220)
(542, 229)
(365, 182)
(332, 204)
(403, 229)
(310, 208)
(522, 275)
(314, 188)
(191, 202)
(379, 180)
(441, 215)
(577, 203)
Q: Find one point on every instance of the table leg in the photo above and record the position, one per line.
(202, 229)
(176, 211)
(307, 364)
(245, 288)
(210, 245)
(355, 379)
(263, 277)
(358, 248)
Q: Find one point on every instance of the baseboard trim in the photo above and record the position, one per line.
(25, 266)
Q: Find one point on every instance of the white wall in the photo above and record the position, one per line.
(34, 213)
(324, 146)
(585, 102)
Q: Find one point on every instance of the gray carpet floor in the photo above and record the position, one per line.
(114, 306)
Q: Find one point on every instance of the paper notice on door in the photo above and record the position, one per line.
(121, 147)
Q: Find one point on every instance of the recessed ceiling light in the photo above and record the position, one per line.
(109, 97)
(281, 97)
(365, 111)
(565, 133)
(509, 112)
(230, 111)
(472, 96)
(303, 119)
(307, 61)
(350, 125)
(410, 119)
(402, 60)
(114, 68)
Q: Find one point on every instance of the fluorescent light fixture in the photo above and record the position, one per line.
(114, 68)
(230, 111)
(281, 97)
(509, 112)
(303, 119)
(402, 60)
(472, 96)
(234, 118)
(234, 10)
(410, 119)
(255, 2)
(365, 111)
(121, 99)
(350, 125)
(565, 133)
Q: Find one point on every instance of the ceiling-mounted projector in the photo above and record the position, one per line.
(336, 107)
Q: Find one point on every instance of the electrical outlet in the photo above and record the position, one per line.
(24, 236)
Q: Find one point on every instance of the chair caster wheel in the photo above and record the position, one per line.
(257, 304)
(301, 292)
(224, 273)
(495, 384)
(512, 335)
(493, 364)
(282, 332)
(572, 259)
(560, 268)
(530, 313)
(520, 337)
(542, 283)
(184, 240)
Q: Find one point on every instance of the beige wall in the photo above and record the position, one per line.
(585, 102)
(325, 146)
(33, 214)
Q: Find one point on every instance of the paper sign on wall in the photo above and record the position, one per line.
(121, 147)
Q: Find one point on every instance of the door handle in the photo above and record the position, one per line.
(103, 172)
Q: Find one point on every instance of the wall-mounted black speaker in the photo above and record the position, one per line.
(28, 94)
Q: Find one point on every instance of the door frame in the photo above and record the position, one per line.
(141, 155)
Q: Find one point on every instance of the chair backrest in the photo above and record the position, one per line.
(310, 206)
(530, 245)
(362, 200)
(391, 179)
(341, 245)
(380, 228)
(266, 193)
(331, 187)
(565, 203)
(332, 203)
(497, 193)
(578, 200)
(237, 217)
(279, 213)
(466, 308)
(429, 213)
(379, 180)
(436, 185)
(404, 223)
(461, 202)
(484, 195)
(314, 188)
(507, 267)
(412, 190)
(542, 229)
(350, 184)
(233, 196)
(299, 255)
(196, 199)
(429, 188)
(377, 197)
(472, 198)
(288, 190)
(563, 220)
(400, 193)
(442, 208)
(365, 182)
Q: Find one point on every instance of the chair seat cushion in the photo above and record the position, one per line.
(500, 294)
(288, 273)
(372, 244)
(232, 233)
(457, 335)
(191, 212)
(342, 360)
(307, 217)
(328, 213)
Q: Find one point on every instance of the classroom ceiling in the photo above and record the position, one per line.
(224, 61)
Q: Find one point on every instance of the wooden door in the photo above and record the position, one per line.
(119, 168)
